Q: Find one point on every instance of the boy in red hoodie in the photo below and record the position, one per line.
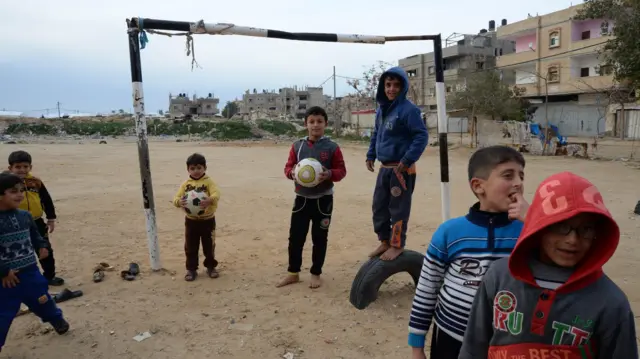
(550, 298)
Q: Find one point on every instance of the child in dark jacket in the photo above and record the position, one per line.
(550, 298)
(398, 140)
(38, 202)
(22, 281)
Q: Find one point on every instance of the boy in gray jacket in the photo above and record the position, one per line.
(550, 298)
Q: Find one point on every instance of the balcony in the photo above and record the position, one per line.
(590, 84)
(530, 90)
(517, 29)
(516, 58)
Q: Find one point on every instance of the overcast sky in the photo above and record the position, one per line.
(76, 52)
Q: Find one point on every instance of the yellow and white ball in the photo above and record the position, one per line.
(307, 172)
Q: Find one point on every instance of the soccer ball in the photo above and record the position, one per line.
(307, 171)
(193, 203)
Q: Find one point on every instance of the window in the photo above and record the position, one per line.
(554, 39)
(432, 92)
(431, 70)
(584, 72)
(553, 74)
(303, 98)
(479, 65)
(448, 89)
(208, 107)
(412, 73)
(586, 35)
(500, 52)
(605, 70)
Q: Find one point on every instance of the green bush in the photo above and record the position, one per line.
(277, 128)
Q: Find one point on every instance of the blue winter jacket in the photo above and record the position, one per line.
(400, 135)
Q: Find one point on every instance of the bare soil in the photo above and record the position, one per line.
(96, 189)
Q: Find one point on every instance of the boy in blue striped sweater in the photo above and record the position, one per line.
(463, 248)
(22, 281)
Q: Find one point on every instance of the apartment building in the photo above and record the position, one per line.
(556, 58)
(557, 55)
(287, 101)
(462, 54)
(183, 105)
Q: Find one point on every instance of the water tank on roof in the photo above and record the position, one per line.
(492, 25)
(483, 31)
(504, 22)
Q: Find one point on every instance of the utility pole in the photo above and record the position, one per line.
(58, 104)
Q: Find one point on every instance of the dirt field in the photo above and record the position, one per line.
(96, 189)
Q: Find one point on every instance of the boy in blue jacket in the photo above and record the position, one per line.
(398, 140)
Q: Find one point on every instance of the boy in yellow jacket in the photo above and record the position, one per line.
(38, 202)
(199, 228)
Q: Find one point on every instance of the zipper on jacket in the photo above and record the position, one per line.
(491, 235)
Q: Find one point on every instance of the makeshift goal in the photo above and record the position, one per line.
(137, 32)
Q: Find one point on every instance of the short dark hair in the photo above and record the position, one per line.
(19, 157)
(8, 180)
(196, 159)
(484, 160)
(316, 111)
(392, 76)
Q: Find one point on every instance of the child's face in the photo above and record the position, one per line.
(496, 192)
(196, 171)
(12, 197)
(566, 243)
(316, 125)
(20, 169)
(392, 88)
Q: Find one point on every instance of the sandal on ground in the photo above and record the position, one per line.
(127, 275)
(191, 276)
(213, 273)
(66, 295)
(134, 269)
(105, 267)
(98, 275)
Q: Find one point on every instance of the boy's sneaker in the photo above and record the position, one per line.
(60, 326)
(56, 281)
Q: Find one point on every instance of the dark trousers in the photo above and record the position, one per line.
(33, 290)
(392, 204)
(49, 263)
(444, 346)
(317, 212)
(196, 232)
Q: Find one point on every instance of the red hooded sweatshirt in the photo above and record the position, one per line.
(525, 309)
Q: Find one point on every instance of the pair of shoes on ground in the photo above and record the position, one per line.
(192, 275)
(55, 281)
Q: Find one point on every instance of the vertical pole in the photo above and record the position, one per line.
(442, 129)
(143, 146)
(337, 122)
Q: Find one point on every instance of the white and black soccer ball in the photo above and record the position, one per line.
(307, 172)
(193, 203)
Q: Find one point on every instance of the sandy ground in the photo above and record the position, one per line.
(98, 198)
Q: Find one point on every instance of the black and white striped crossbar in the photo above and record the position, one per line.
(201, 27)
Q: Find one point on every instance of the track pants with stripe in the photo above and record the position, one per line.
(392, 203)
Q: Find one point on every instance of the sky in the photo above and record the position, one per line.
(75, 52)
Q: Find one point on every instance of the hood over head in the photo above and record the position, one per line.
(559, 198)
(398, 71)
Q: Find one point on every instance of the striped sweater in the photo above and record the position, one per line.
(19, 241)
(460, 252)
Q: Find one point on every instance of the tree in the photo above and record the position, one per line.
(230, 109)
(622, 51)
(367, 86)
(485, 94)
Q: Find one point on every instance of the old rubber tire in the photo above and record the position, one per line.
(374, 272)
(637, 209)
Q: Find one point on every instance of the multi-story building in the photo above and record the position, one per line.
(557, 55)
(462, 54)
(556, 61)
(287, 101)
(183, 105)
